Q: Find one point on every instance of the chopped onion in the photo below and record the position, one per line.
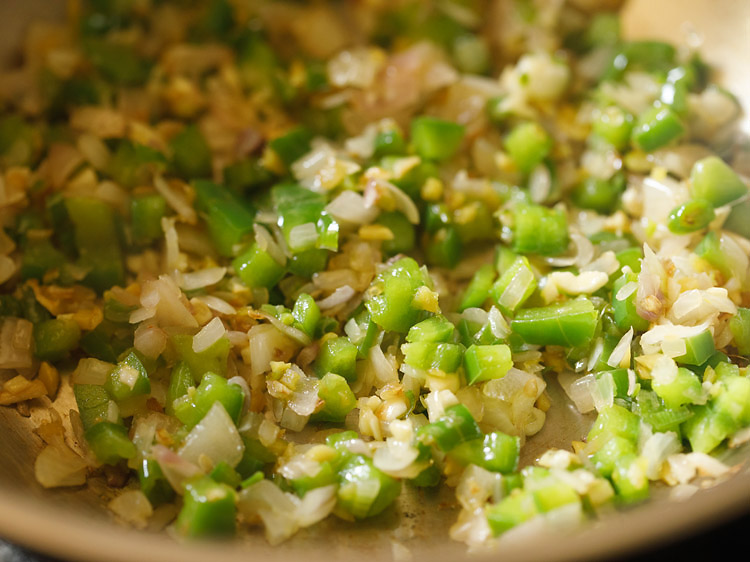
(91, 371)
(209, 335)
(219, 305)
(266, 344)
(264, 500)
(350, 206)
(584, 252)
(339, 296)
(621, 352)
(303, 237)
(626, 290)
(59, 466)
(397, 459)
(215, 437)
(656, 449)
(316, 505)
(150, 340)
(269, 244)
(297, 335)
(175, 200)
(176, 469)
(579, 389)
(132, 506)
(16, 338)
(202, 278)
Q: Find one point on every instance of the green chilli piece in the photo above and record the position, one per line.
(257, 268)
(306, 313)
(539, 230)
(515, 286)
(110, 442)
(454, 427)
(180, 380)
(614, 125)
(208, 510)
(404, 233)
(699, 349)
(685, 388)
(511, 511)
(691, 216)
(391, 294)
(487, 362)
(605, 459)
(528, 144)
(193, 406)
(365, 491)
(478, 290)
(146, 212)
(427, 355)
(433, 329)
(55, 338)
(337, 355)
(712, 180)
(657, 127)
(496, 452)
(191, 155)
(598, 194)
(229, 220)
(154, 484)
(93, 403)
(128, 379)
(338, 399)
(213, 359)
(436, 139)
(739, 325)
(630, 485)
(570, 324)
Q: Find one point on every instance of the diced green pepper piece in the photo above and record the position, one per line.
(708, 428)
(656, 127)
(390, 298)
(208, 509)
(737, 220)
(257, 268)
(433, 329)
(129, 378)
(698, 349)
(713, 180)
(228, 219)
(292, 145)
(487, 362)
(426, 355)
(223, 473)
(436, 139)
(598, 194)
(614, 448)
(180, 380)
(365, 491)
(456, 426)
(389, 143)
(212, 359)
(496, 452)
(614, 125)
(97, 241)
(93, 403)
(515, 286)
(338, 399)
(191, 408)
(740, 328)
(511, 511)
(539, 230)
(146, 212)
(528, 144)
(255, 457)
(110, 442)
(614, 421)
(691, 216)
(631, 485)
(134, 164)
(686, 388)
(307, 314)
(554, 495)
(404, 234)
(478, 290)
(191, 155)
(153, 483)
(443, 248)
(337, 355)
(40, 256)
(55, 338)
(325, 477)
(571, 324)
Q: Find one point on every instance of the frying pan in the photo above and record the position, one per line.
(75, 523)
